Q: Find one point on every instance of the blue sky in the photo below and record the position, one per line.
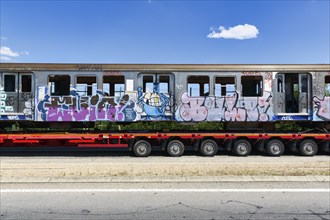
(224, 32)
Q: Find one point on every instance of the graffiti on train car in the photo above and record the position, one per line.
(6, 103)
(321, 98)
(28, 99)
(89, 67)
(318, 90)
(229, 108)
(86, 108)
(154, 105)
(322, 107)
(3, 97)
(129, 107)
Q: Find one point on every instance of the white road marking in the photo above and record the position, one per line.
(324, 190)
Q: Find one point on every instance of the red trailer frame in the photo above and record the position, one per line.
(128, 140)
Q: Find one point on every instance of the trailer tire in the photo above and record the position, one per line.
(275, 147)
(175, 148)
(241, 148)
(209, 148)
(308, 147)
(142, 148)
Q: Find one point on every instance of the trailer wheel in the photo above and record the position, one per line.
(275, 147)
(208, 148)
(241, 148)
(175, 148)
(308, 147)
(142, 148)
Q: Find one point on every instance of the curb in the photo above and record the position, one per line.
(149, 179)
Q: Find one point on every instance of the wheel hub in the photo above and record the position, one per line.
(175, 148)
(242, 148)
(209, 148)
(276, 148)
(142, 149)
(309, 148)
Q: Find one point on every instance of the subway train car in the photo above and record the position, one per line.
(236, 95)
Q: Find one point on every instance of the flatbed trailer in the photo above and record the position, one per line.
(207, 143)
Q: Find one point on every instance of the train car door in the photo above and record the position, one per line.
(279, 94)
(18, 92)
(292, 95)
(304, 94)
(155, 95)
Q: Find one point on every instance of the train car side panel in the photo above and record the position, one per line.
(73, 96)
(321, 96)
(16, 96)
(231, 97)
(156, 95)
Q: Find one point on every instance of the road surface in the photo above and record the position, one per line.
(103, 185)
(226, 200)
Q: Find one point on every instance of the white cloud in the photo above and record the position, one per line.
(24, 53)
(240, 32)
(6, 51)
(4, 58)
(7, 54)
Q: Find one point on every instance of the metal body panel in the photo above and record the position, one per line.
(157, 100)
(271, 104)
(10, 90)
(17, 96)
(26, 94)
(21, 67)
(293, 96)
(304, 93)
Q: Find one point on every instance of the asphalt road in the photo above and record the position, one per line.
(226, 200)
(103, 185)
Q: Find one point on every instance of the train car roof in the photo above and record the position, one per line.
(161, 67)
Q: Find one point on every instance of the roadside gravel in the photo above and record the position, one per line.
(48, 169)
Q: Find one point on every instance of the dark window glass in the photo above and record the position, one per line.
(86, 85)
(198, 86)
(148, 84)
(26, 83)
(10, 83)
(114, 85)
(224, 86)
(327, 85)
(251, 85)
(164, 82)
(59, 85)
(304, 84)
(280, 87)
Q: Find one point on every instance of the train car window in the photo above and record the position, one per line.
(59, 85)
(327, 85)
(114, 86)
(224, 86)
(198, 86)
(26, 83)
(10, 83)
(129, 85)
(193, 89)
(304, 84)
(164, 82)
(86, 85)
(280, 87)
(251, 85)
(148, 84)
